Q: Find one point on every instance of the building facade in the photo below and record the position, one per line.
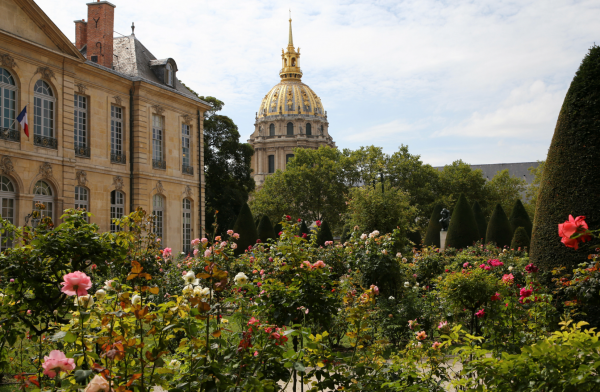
(290, 116)
(111, 127)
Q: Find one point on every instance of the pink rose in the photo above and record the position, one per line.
(318, 223)
(236, 236)
(207, 253)
(195, 242)
(76, 283)
(466, 264)
(319, 264)
(496, 297)
(574, 226)
(230, 232)
(508, 279)
(57, 362)
(97, 384)
(233, 245)
(204, 241)
(375, 289)
(195, 252)
(480, 313)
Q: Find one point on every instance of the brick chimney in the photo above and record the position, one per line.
(100, 27)
(80, 33)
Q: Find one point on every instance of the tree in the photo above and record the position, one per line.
(346, 233)
(244, 226)
(499, 230)
(324, 234)
(531, 193)
(571, 179)
(458, 178)
(480, 219)
(504, 189)
(227, 169)
(303, 229)
(415, 237)
(463, 231)
(520, 239)
(273, 199)
(520, 218)
(265, 230)
(365, 165)
(432, 237)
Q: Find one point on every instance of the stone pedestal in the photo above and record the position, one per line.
(443, 235)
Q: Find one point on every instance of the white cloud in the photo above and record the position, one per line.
(381, 133)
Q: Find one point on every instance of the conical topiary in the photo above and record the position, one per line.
(463, 231)
(277, 229)
(432, 237)
(499, 230)
(520, 239)
(345, 234)
(571, 180)
(303, 230)
(520, 218)
(265, 230)
(244, 226)
(415, 237)
(324, 234)
(480, 219)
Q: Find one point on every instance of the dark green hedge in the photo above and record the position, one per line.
(571, 178)
(324, 234)
(499, 230)
(520, 218)
(463, 231)
(244, 226)
(265, 230)
(432, 237)
(480, 219)
(520, 239)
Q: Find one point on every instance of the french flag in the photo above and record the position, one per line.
(22, 119)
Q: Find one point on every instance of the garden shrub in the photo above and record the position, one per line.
(324, 234)
(463, 231)
(571, 180)
(480, 219)
(520, 239)
(265, 230)
(415, 238)
(520, 218)
(499, 231)
(303, 230)
(277, 229)
(244, 226)
(345, 234)
(432, 237)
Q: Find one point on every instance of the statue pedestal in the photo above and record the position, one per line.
(443, 235)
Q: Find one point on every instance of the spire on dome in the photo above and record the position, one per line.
(291, 40)
(290, 59)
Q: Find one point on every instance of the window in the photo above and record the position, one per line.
(272, 130)
(43, 115)
(169, 75)
(271, 163)
(157, 142)
(81, 126)
(308, 129)
(117, 209)
(43, 200)
(8, 102)
(321, 129)
(288, 157)
(158, 212)
(117, 154)
(82, 199)
(186, 159)
(290, 128)
(187, 225)
(7, 199)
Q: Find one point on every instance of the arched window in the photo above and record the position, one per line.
(117, 209)
(82, 199)
(321, 129)
(43, 199)
(272, 130)
(7, 197)
(169, 75)
(308, 129)
(293, 61)
(290, 128)
(43, 115)
(187, 225)
(158, 212)
(8, 104)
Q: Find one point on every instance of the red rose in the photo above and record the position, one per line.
(289, 218)
(571, 227)
(318, 223)
(258, 241)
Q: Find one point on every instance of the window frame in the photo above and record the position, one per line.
(290, 129)
(169, 75)
(48, 200)
(117, 133)
(186, 224)
(308, 129)
(159, 216)
(78, 113)
(79, 203)
(4, 87)
(10, 196)
(272, 130)
(116, 208)
(186, 140)
(158, 140)
(39, 117)
(271, 163)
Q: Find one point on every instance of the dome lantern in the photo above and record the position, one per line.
(290, 60)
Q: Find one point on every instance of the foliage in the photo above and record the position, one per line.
(499, 230)
(571, 179)
(265, 230)
(463, 231)
(226, 167)
(480, 219)
(520, 218)
(432, 237)
(415, 238)
(520, 239)
(458, 178)
(504, 189)
(531, 193)
(324, 234)
(244, 226)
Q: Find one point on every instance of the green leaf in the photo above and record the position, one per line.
(299, 367)
(81, 376)
(70, 337)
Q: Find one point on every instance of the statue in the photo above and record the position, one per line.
(445, 221)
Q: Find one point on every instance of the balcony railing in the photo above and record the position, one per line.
(159, 164)
(45, 141)
(118, 158)
(186, 169)
(81, 150)
(10, 135)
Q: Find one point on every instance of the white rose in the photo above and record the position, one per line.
(136, 300)
(187, 290)
(97, 384)
(189, 277)
(404, 259)
(406, 284)
(398, 255)
(374, 234)
(205, 293)
(85, 300)
(510, 268)
(391, 298)
(197, 291)
(241, 278)
(100, 294)
(416, 285)
(174, 364)
(384, 252)
(110, 285)
(363, 237)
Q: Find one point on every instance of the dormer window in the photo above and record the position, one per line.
(169, 75)
(165, 71)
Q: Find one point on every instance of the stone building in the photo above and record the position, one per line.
(111, 127)
(290, 116)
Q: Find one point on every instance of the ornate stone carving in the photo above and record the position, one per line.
(118, 183)
(6, 165)
(6, 60)
(46, 170)
(160, 188)
(188, 191)
(158, 109)
(46, 73)
(81, 176)
(81, 88)
(118, 100)
(187, 118)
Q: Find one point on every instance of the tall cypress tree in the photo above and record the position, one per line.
(345, 234)
(278, 227)
(480, 219)
(324, 234)
(499, 230)
(571, 180)
(520, 239)
(432, 237)
(265, 230)
(463, 231)
(244, 226)
(303, 230)
(520, 218)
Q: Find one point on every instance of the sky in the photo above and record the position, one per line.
(482, 81)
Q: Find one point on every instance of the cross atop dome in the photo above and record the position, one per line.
(290, 60)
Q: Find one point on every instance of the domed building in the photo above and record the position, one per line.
(290, 116)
